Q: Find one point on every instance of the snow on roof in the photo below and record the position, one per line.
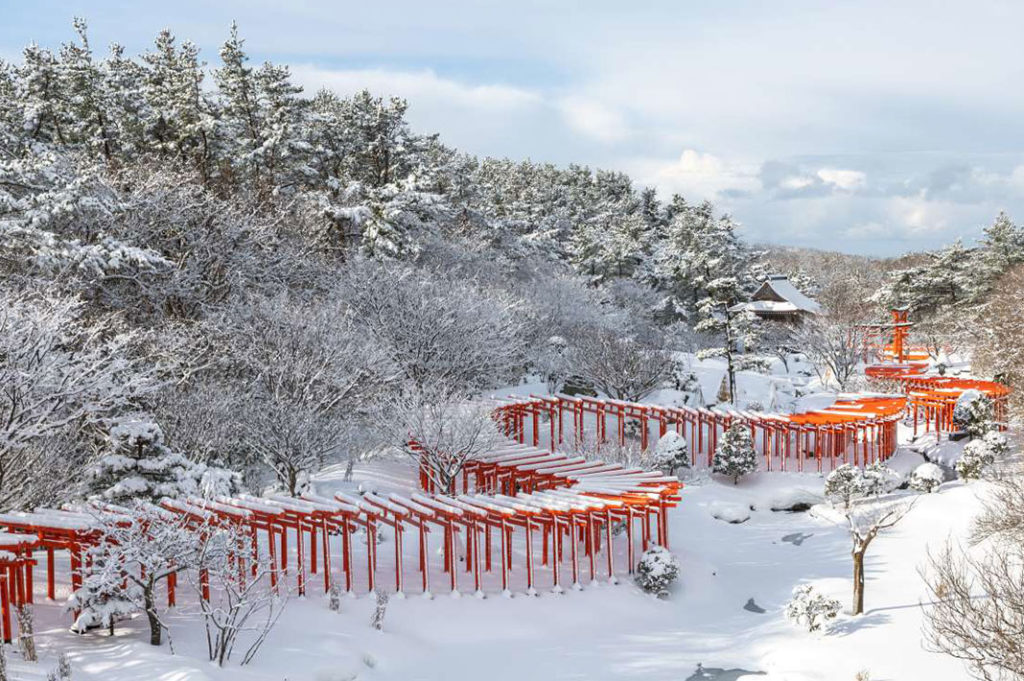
(781, 284)
(792, 299)
(766, 306)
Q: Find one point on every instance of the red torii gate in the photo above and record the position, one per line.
(855, 429)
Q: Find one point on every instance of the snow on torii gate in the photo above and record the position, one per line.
(855, 429)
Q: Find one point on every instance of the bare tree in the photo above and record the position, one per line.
(58, 378)
(835, 347)
(862, 498)
(242, 607)
(622, 368)
(866, 519)
(977, 609)
(312, 375)
(440, 431)
(435, 329)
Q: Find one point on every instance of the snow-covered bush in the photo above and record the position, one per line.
(926, 478)
(136, 553)
(997, 443)
(847, 483)
(976, 457)
(671, 453)
(843, 485)
(138, 465)
(380, 609)
(735, 456)
(657, 571)
(877, 478)
(973, 413)
(810, 608)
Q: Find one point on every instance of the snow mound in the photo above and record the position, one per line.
(791, 499)
(729, 512)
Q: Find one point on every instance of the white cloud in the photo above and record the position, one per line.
(593, 119)
(418, 86)
(796, 182)
(698, 175)
(847, 180)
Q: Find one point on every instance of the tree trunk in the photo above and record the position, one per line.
(858, 579)
(154, 621)
(293, 480)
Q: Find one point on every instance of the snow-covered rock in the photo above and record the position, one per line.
(729, 512)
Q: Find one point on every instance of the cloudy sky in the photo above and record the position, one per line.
(871, 127)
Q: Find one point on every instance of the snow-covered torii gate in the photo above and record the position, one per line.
(856, 429)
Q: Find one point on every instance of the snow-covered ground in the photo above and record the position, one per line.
(604, 631)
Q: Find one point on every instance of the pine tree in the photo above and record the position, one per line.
(735, 456)
(240, 122)
(672, 452)
(86, 101)
(136, 464)
(737, 329)
(40, 97)
(179, 116)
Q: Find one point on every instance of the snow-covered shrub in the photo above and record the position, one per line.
(810, 608)
(926, 478)
(847, 483)
(334, 597)
(138, 465)
(214, 481)
(26, 633)
(671, 453)
(997, 443)
(843, 485)
(735, 456)
(973, 413)
(877, 478)
(976, 457)
(381, 609)
(657, 571)
(63, 667)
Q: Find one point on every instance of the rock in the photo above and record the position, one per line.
(730, 513)
(794, 500)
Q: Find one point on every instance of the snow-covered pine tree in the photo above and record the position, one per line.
(40, 97)
(240, 123)
(737, 330)
(179, 113)
(671, 453)
(975, 459)
(136, 464)
(926, 478)
(86, 103)
(103, 597)
(657, 570)
(973, 413)
(735, 456)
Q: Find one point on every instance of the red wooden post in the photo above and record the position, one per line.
(51, 583)
(5, 608)
(29, 582)
(172, 582)
(530, 589)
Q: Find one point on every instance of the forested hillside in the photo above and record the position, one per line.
(269, 277)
